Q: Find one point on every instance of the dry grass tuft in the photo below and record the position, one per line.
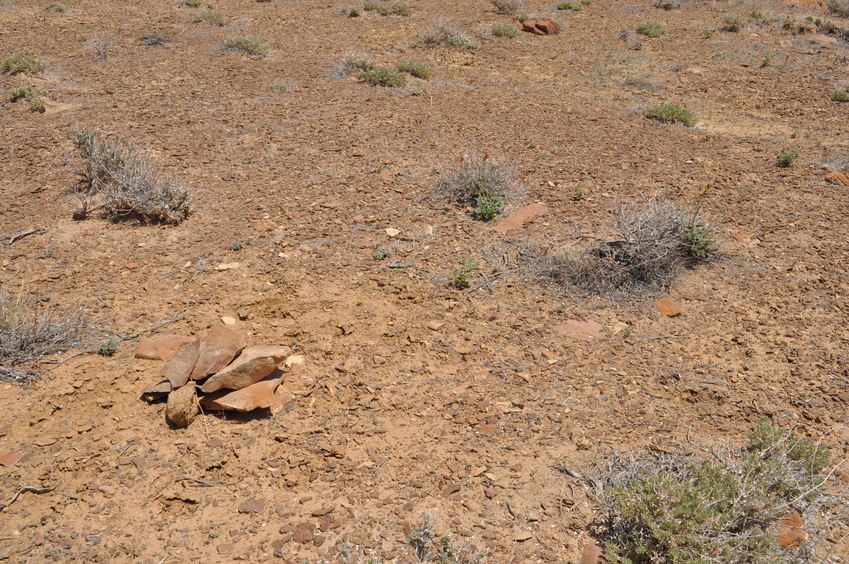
(482, 183)
(446, 35)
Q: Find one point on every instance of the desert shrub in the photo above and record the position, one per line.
(246, 44)
(29, 333)
(154, 39)
(383, 76)
(667, 4)
(650, 30)
(17, 63)
(733, 23)
(56, 8)
(126, 182)
(786, 158)
(840, 96)
(655, 240)
(573, 6)
(504, 30)
(461, 275)
(671, 113)
(481, 183)
(212, 17)
(839, 7)
(191, 3)
(31, 95)
(354, 62)
(447, 35)
(387, 8)
(507, 6)
(672, 509)
(352, 11)
(415, 68)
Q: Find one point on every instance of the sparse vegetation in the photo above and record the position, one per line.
(128, 185)
(191, 3)
(29, 332)
(671, 113)
(460, 275)
(387, 8)
(108, 348)
(839, 7)
(211, 17)
(733, 23)
(415, 68)
(504, 30)
(675, 509)
(447, 35)
(667, 4)
(650, 30)
(507, 6)
(573, 6)
(354, 62)
(56, 8)
(786, 158)
(481, 183)
(17, 64)
(840, 96)
(383, 76)
(31, 95)
(246, 44)
(431, 548)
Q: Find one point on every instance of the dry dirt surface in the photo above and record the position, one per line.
(415, 397)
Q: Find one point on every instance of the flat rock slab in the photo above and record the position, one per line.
(840, 177)
(157, 391)
(254, 364)
(669, 306)
(161, 347)
(10, 458)
(179, 368)
(541, 26)
(518, 218)
(255, 396)
(217, 349)
(579, 329)
(252, 506)
(791, 530)
(182, 406)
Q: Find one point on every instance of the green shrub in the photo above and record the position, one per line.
(463, 41)
(506, 6)
(574, 6)
(31, 95)
(56, 8)
(419, 70)
(354, 62)
(460, 275)
(504, 30)
(212, 17)
(677, 510)
(671, 113)
(650, 30)
(383, 76)
(386, 8)
(840, 96)
(786, 158)
(17, 63)
(487, 208)
(484, 185)
(109, 348)
(246, 44)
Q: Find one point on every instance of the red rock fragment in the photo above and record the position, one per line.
(669, 306)
(161, 347)
(579, 329)
(252, 506)
(10, 458)
(178, 369)
(157, 391)
(254, 364)
(791, 532)
(217, 349)
(541, 26)
(518, 218)
(255, 396)
(840, 177)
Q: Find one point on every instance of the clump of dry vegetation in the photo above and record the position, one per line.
(126, 182)
(354, 63)
(386, 8)
(32, 95)
(383, 76)
(673, 509)
(671, 113)
(508, 7)
(212, 17)
(415, 68)
(29, 333)
(249, 44)
(17, 63)
(445, 34)
(654, 242)
(839, 7)
(481, 183)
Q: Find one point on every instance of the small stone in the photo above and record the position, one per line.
(244, 314)
(392, 232)
(791, 532)
(254, 364)
(303, 533)
(579, 329)
(541, 26)
(255, 396)
(669, 306)
(838, 177)
(490, 493)
(225, 548)
(322, 511)
(435, 325)
(182, 406)
(161, 347)
(10, 458)
(227, 320)
(252, 506)
(179, 367)
(451, 488)
(463, 350)
(294, 360)
(522, 536)
(227, 266)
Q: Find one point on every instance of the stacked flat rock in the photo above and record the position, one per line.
(216, 372)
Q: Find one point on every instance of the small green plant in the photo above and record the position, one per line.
(352, 11)
(487, 208)
(573, 6)
(383, 76)
(578, 193)
(481, 183)
(212, 17)
(17, 63)
(56, 8)
(191, 3)
(31, 95)
(767, 61)
(699, 238)
(667, 4)
(733, 23)
(247, 44)
(237, 246)
(379, 253)
(462, 41)
(671, 113)
(387, 8)
(109, 348)
(786, 158)
(504, 30)
(840, 96)
(417, 69)
(651, 30)
(447, 35)
(461, 275)
(708, 32)
(507, 6)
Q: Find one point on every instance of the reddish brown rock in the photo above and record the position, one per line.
(303, 533)
(255, 396)
(254, 364)
(161, 347)
(178, 369)
(252, 506)
(157, 391)
(791, 530)
(583, 330)
(840, 177)
(591, 553)
(182, 406)
(669, 306)
(283, 401)
(10, 458)
(217, 349)
(518, 218)
(541, 26)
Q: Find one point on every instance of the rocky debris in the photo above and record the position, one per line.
(582, 330)
(161, 347)
(791, 530)
(182, 406)
(217, 349)
(251, 381)
(518, 218)
(10, 458)
(179, 368)
(541, 26)
(254, 364)
(840, 177)
(669, 306)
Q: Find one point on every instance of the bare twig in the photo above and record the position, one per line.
(12, 237)
(22, 489)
